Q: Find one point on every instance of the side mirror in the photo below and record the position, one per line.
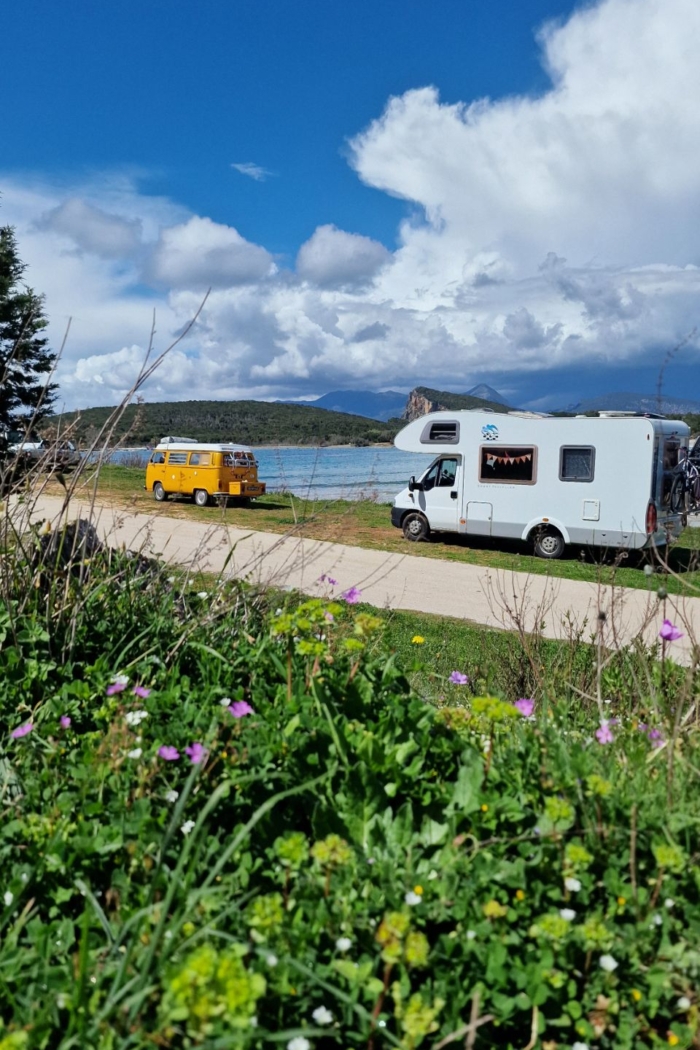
(413, 484)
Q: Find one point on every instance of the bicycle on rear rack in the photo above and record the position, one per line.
(685, 488)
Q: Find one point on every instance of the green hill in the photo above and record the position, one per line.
(247, 422)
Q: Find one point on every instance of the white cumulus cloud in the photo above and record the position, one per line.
(201, 254)
(332, 258)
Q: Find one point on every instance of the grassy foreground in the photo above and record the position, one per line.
(232, 823)
(367, 524)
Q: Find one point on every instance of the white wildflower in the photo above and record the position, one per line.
(573, 885)
(172, 795)
(120, 679)
(8, 898)
(412, 898)
(683, 1003)
(134, 718)
(271, 960)
(343, 944)
(202, 594)
(322, 1015)
(608, 963)
(298, 1043)
(669, 903)
(24, 876)
(657, 919)
(567, 913)
(225, 701)
(187, 827)
(135, 753)
(579, 1046)
(471, 934)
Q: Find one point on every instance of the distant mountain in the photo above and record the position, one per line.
(626, 402)
(384, 406)
(423, 400)
(487, 393)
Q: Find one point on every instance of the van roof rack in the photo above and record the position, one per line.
(178, 441)
(614, 413)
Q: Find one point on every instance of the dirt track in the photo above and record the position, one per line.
(469, 592)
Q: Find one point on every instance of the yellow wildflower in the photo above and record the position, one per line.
(494, 910)
(636, 995)
(418, 639)
(520, 895)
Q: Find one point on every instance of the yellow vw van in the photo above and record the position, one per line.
(183, 467)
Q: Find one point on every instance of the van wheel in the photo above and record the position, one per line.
(549, 543)
(201, 497)
(159, 493)
(415, 527)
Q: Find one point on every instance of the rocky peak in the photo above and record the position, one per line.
(419, 405)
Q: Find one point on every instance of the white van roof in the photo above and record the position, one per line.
(188, 445)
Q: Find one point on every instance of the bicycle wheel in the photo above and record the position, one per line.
(677, 496)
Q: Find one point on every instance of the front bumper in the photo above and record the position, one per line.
(396, 515)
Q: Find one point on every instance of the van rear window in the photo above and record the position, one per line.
(512, 465)
(444, 432)
(576, 463)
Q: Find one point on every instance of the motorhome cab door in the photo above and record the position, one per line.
(439, 494)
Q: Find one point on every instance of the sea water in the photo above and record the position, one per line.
(375, 472)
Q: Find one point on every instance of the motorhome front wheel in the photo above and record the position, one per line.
(201, 497)
(415, 527)
(159, 493)
(549, 544)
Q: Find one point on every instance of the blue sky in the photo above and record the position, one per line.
(437, 194)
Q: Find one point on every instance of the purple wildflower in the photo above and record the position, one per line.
(141, 691)
(457, 678)
(525, 707)
(239, 708)
(116, 687)
(656, 736)
(352, 595)
(329, 617)
(22, 730)
(196, 753)
(603, 735)
(328, 579)
(65, 721)
(669, 632)
(170, 754)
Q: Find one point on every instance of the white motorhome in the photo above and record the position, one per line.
(600, 481)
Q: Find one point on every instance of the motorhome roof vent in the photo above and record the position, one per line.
(444, 432)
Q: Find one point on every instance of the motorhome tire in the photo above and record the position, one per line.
(201, 497)
(549, 543)
(415, 527)
(159, 493)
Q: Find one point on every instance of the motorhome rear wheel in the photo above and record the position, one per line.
(549, 544)
(201, 497)
(415, 527)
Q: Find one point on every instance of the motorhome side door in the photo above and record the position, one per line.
(439, 497)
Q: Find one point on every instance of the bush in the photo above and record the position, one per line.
(225, 825)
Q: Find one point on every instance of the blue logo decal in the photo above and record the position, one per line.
(490, 432)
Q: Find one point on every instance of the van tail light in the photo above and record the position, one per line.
(652, 518)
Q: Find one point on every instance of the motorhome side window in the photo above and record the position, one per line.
(576, 463)
(512, 465)
(442, 474)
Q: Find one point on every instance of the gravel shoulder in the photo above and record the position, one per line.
(494, 598)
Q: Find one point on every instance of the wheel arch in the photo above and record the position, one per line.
(538, 523)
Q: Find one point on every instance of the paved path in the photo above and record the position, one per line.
(491, 597)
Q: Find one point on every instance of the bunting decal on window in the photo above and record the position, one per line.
(492, 457)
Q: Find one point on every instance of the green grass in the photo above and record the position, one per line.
(367, 524)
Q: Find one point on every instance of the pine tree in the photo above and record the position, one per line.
(25, 357)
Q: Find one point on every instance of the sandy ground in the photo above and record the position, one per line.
(507, 600)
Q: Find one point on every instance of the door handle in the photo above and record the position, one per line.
(453, 495)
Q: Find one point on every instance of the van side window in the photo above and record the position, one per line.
(514, 465)
(444, 432)
(177, 457)
(576, 463)
(441, 475)
(199, 459)
(158, 457)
